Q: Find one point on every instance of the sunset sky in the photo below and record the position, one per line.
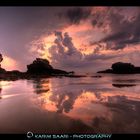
(83, 39)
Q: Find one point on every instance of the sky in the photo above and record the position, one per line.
(80, 39)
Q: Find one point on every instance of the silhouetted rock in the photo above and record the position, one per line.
(137, 69)
(2, 70)
(14, 72)
(76, 76)
(106, 71)
(123, 85)
(57, 71)
(1, 59)
(42, 66)
(122, 68)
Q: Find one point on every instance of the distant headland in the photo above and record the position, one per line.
(122, 68)
(39, 68)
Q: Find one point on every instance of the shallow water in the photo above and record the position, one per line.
(110, 104)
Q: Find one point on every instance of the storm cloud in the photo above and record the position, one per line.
(20, 26)
(123, 29)
(86, 38)
(64, 54)
(75, 15)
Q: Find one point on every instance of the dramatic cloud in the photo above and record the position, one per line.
(64, 54)
(21, 25)
(75, 15)
(89, 38)
(124, 29)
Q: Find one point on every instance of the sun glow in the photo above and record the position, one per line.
(9, 63)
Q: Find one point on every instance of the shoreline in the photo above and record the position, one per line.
(27, 76)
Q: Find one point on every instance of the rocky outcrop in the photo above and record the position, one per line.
(42, 66)
(123, 85)
(39, 68)
(106, 71)
(2, 70)
(122, 68)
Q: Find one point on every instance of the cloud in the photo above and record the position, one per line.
(123, 28)
(9, 63)
(64, 54)
(75, 15)
(21, 25)
(95, 35)
(106, 32)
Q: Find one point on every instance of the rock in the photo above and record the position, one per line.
(57, 71)
(2, 70)
(40, 66)
(122, 68)
(137, 70)
(123, 85)
(75, 76)
(106, 71)
(14, 72)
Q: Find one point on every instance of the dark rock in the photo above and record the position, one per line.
(106, 71)
(40, 66)
(14, 72)
(137, 69)
(57, 71)
(2, 70)
(123, 85)
(75, 76)
(122, 68)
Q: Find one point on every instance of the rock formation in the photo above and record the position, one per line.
(39, 68)
(42, 66)
(122, 68)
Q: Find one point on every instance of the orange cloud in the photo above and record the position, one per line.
(9, 63)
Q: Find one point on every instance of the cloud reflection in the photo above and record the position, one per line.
(103, 109)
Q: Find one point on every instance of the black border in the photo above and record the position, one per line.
(24, 137)
(113, 137)
(69, 2)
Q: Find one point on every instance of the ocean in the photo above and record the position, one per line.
(107, 103)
